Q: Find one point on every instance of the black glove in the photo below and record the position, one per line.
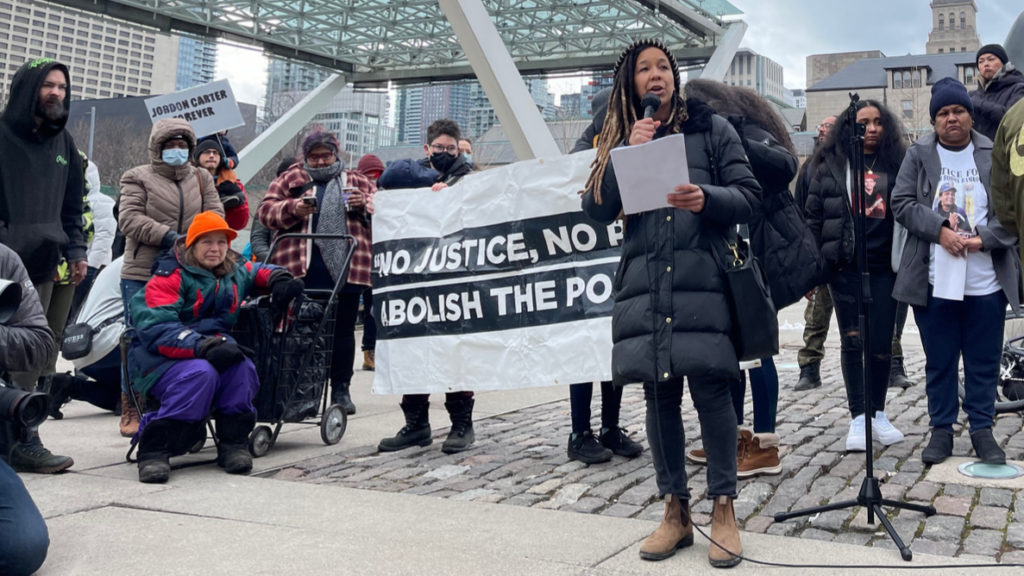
(169, 239)
(284, 290)
(220, 353)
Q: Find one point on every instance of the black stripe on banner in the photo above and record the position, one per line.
(526, 300)
(503, 247)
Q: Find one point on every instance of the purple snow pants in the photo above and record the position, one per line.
(191, 388)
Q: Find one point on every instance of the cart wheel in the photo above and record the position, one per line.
(333, 424)
(260, 441)
(198, 445)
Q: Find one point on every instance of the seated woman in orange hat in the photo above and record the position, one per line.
(183, 355)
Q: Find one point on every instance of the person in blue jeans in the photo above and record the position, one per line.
(24, 539)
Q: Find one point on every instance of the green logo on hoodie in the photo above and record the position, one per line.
(39, 62)
(61, 160)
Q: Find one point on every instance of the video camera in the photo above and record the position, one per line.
(20, 411)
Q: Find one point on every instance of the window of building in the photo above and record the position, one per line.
(22, 10)
(121, 69)
(133, 80)
(146, 83)
(53, 27)
(81, 51)
(34, 42)
(147, 74)
(111, 30)
(134, 62)
(69, 20)
(143, 91)
(149, 48)
(104, 84)
(150, 39)
(108, 66)
(121, 60)
(110, 39)
(963, 20)
(37, 33)
(108, 49)
(969, 73)
(51, 45)
(92, 72)
(107, 75)
(119, 77)
(77, 79)
(39, 23)
(122, 51)
(963, 48)
(122, 42)
(105, 93)
(90, 91)
(34, 52)
(917, 78)
(940, 50)
(21, 19)
(80, 61)
(94, 63)
(82, 33)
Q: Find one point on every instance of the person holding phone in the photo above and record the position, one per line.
(318, 195)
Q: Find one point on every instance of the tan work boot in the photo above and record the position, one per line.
(699, 456)
(675, 531)
(129, 417)
(724, 534)
(760, 456)
(369, 360)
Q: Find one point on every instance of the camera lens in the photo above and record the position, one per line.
(25, 409)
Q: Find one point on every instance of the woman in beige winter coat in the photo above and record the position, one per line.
(157, 204)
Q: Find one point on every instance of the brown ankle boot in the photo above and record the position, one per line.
(369, 360)
(129, 417)
(675, 531)
(760, 456)
(726, 534)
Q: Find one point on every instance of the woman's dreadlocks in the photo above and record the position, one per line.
(624, 109)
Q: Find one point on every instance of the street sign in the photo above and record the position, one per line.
(209, 108)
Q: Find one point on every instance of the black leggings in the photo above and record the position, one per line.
(580, 396)
(882, 319)
(343, 355)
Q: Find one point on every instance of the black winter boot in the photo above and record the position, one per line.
(416, 431)
(232, 442)
(898, 375)
(340, 395)
(61, 389)
(616, 440)
(940, 447)
(583, 447)
(986, 447)
(461, 435)
(810, 377)
(32, 456)
(155, 446)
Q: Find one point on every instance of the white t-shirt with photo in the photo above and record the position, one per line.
(961, 182)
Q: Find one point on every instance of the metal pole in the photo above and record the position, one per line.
(92, 129)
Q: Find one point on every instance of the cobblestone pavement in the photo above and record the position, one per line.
(519, 459)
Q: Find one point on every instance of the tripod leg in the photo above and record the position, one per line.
(905, 552)
(922, 508)
(783, 516)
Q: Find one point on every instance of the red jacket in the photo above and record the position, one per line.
(277, 212)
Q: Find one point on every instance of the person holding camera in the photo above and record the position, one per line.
(319, 196)
(182, 356)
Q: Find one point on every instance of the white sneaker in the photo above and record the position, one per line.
(855, 438)
(883, 431)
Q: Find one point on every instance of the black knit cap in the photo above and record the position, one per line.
(949, 91)
(209, 144)
(995, 50)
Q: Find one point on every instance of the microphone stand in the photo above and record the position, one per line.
(870, 497)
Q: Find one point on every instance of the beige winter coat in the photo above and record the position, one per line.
(157, 198)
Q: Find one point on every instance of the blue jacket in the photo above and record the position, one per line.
(407, 173)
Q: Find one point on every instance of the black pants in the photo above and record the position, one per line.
(713, 402)
(580, 396)
(882, 320)
(369, 324)
(343, 352)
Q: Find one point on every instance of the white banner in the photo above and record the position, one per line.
(209, 108)
(499, 282)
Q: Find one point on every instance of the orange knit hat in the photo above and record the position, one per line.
(206, 222)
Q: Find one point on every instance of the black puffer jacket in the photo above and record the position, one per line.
(671, 315)
(828, 211)
(992, 100)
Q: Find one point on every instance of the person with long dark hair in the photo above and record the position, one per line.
(830, 216)
(671, 316)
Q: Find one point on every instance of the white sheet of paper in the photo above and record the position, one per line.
(648, 173)
(950, 275)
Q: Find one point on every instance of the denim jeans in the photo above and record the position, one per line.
(713, 402)
(764, 390)
(128, 290)
(580, 396)
(24, 539)
(972, 329)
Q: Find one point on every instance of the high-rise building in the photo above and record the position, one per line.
(419, 106)
(800, 98)
(954, 27)
(570, 105)
(759, 73)
(107, 58)
(360, 119)
(289, 78)
(197, 63)
(596, 84)
(482, 115)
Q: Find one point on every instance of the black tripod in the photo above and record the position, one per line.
(870, 496)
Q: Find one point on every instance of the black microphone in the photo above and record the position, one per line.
(651, 103)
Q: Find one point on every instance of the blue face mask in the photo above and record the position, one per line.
(175, 156)
(469, 157)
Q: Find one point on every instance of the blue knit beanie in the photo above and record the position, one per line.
(947, 92)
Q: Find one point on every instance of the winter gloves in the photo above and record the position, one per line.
(283, 290)
(169, 239)
(220, 353)
(231, 195)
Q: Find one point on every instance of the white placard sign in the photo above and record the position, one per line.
(497, 283)
(209, 108)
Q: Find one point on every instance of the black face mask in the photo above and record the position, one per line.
(443, 161)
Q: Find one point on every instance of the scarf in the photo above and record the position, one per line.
(333, 217)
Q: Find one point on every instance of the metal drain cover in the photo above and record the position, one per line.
(991, 471)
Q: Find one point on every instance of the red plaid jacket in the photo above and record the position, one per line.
(277, 212)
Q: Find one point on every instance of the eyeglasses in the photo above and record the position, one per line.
(449, 149)
(319, 158)
(827, 126)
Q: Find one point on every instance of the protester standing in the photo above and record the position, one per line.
(830, 217)
(372, 167)
(319, 196)
(1000, 86)
(157, 204)
(956, 320)
(210, 156)
(444, 166)
(671, 316)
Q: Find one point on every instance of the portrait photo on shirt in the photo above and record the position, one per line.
(875, 192)
(955, 202)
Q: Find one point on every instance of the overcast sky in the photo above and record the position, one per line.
(786, 31)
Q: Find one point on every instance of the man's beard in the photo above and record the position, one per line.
(51, 110)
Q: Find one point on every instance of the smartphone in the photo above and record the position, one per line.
(309, 200)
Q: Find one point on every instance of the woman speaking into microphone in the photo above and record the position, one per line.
(671, 316)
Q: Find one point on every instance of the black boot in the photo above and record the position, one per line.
(340, 395)
(32, 456)
(232, 442)
(461, 435)
(940, 447)
(155, 446)
(810, 377)
(898, 375)
(583, 447)
(616, 440)
(61, 389)
(986, 447)
(416, 431)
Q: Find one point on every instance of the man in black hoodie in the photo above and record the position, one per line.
(41, 188)
(1000, 86)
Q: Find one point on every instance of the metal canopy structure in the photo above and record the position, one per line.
(412, 40)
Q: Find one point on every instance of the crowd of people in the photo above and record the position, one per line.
(942, 236)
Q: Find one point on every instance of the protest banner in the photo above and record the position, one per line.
(497, 283)
(209, 108)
